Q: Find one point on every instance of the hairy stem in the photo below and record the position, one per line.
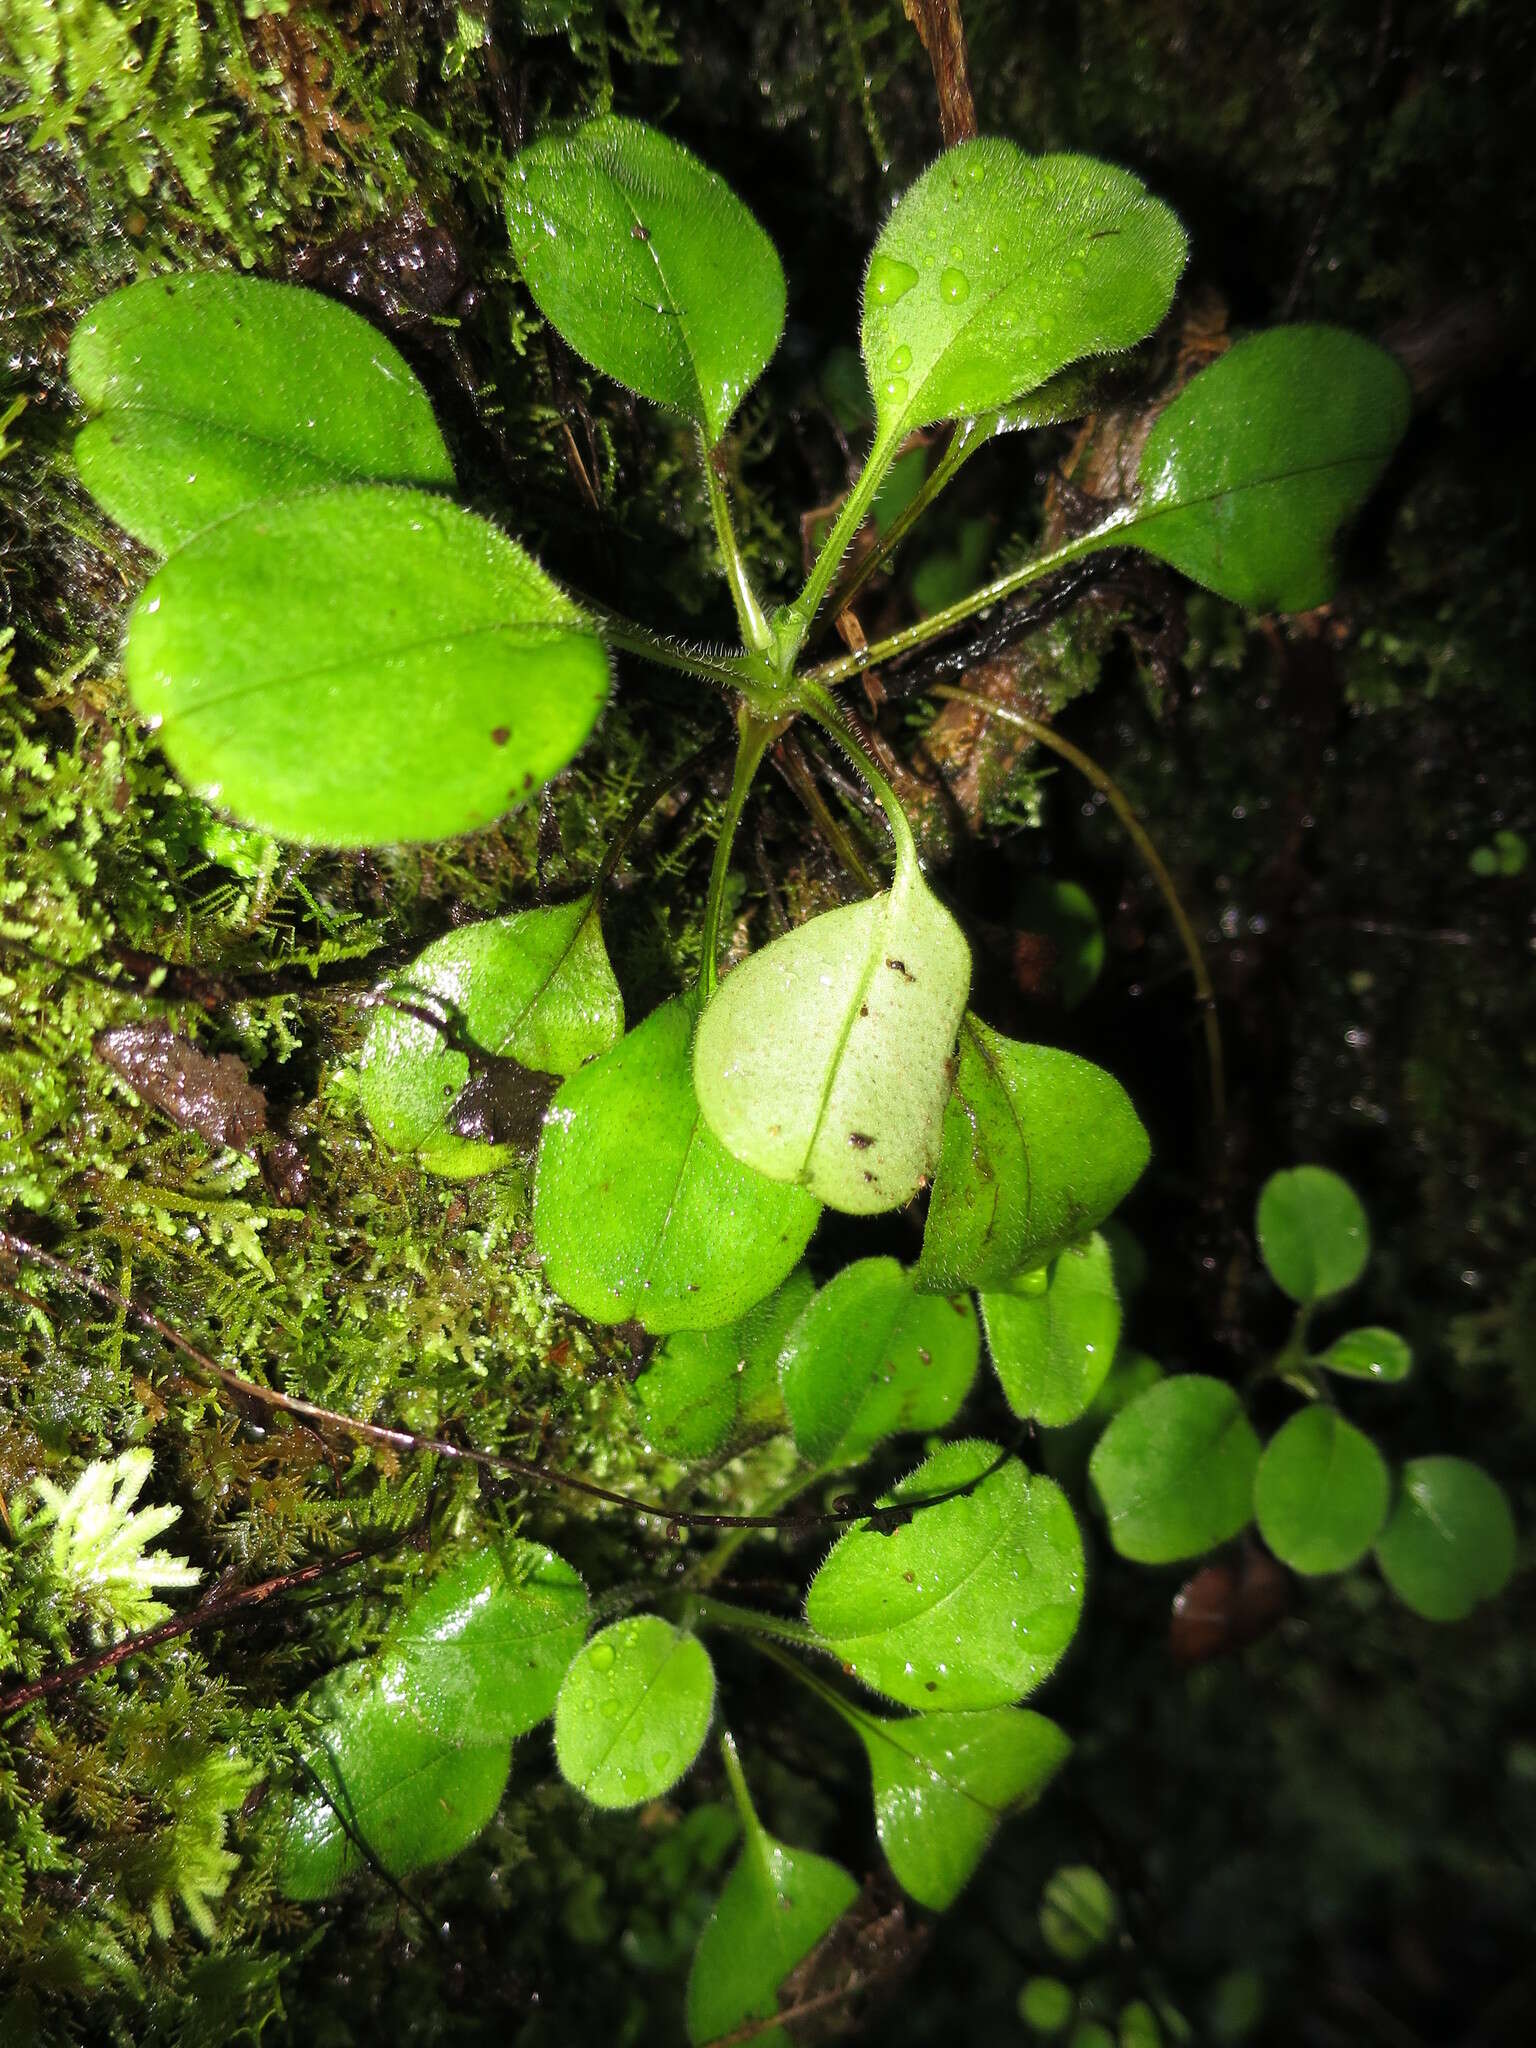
(753, 744)
(828, 714)
(855, 506)
(666, 652)
(752, 1621)
(755, 629)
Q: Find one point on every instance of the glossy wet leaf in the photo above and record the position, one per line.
(1174, 1470)
(213, 391)
(648, 264)
(711, 1388)
(1052, 1334)
(534, 988)
(1248, 475)
(778, 1903)
(1078, 1912)
(871, 1357)
(824, 1059)
(1321, 1492)
(1450, 1540)
(633, 1711)
(638, 1209)
(1066, 916)
(1038, 1146)
(972, 1602)
(426, 675)
(1371, 1353)
(1313, 1234)
(943, 1783)
(997, 269)
(409, 1792)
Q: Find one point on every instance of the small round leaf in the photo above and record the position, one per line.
(1078, 1912)
(1371, 1353)
(1321, 1493)
(1047, 2005)
(1313, 1233)
(1052, 1347)
(633, 1711)
(1174, 1470)
(1450, 1542)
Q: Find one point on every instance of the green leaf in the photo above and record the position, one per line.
(1368, 1354)
(1450, 1542)
(778, 1903)
(1249, 473)
(648, 264)
(824, 1059)
(871, 1357)
(534, 988)
(1066, 915)
(1138, 2026)
(633, 1711)
(210, 392)
(944, 1782)
(972, 1602)
(639, 1211)
(1047, 2004)
(1321, 1493)
(1313, 1233)
(481, 1653)
(362, 665)
(1053, 1334)
(709, 1388)
(996, 270)
(1174, 1470)
(1078, 1912)
(1038, 1146)
(396, 1785)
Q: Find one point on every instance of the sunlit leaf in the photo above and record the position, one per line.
(638, 1209)
(824, 1059)
(777, 1904)
(212, 391)
(1052, 1334)
(871, 1357)
(648, 264)
(362, 665)
(1321, 1492)
(1313, 1233)
(997, 269)
(633, 1711)
(1450, 1541)
(1078, 1912)
(1174, 1470)
(711, 1388)
(1038, 1147)
(1247, 476)
(972, 1602)
(1371, 1353)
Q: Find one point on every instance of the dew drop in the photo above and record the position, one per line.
(954, 286)
(890, 279)
(602, 1656)
(895, 389)
(902, 360)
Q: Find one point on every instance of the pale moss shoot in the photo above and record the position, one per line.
(100, 1544)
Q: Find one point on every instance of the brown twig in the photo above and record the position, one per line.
(750, 2030)
(942, 34)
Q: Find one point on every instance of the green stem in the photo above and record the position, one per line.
(752, 1621)
(847, 523)
(756, 735)
(805, 786)
(667, 653)
(828, 714)
(749, 613)
(937, 624)
(738, 1782)
(968, 436)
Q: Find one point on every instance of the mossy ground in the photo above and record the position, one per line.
(1344, 1808)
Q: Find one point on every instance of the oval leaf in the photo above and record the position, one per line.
(211, 392)
(824, 1059)
(1450, 1542)
(1321, 1493)
(1371, 1353)
(972, 1602)
(1313, 1233)
(944, 1782)
(533, 990)
(1174, 1470)
(1078, 1912)
(648, 264)
(710, 1388)
(997, 269)
(638, 1209)
(1038, 1146)
(427, 675)
(1250, 472)
(633, 1711)
(1053, 1345)
(871, 1357)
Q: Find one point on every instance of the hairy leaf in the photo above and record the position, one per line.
(213, 391)
(1174, 1470)
(1313, 1234)
(648, 264)
(1053, 1334)
(426, 675)
(1450, 1541)
(1371, 1353)
(871, 1357)
(972, 1602)
(633, 1711)
(1038, 1147)
(638, 1209)
(1321, 1492)
(708, 1388)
